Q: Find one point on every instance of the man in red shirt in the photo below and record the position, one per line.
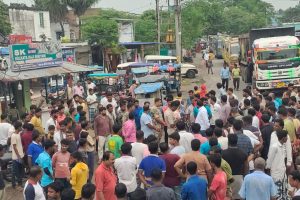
(103, 128)
(218, 185)
(105, 179)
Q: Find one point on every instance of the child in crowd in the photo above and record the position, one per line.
(60, 162)
(115, 141)
(50, 134)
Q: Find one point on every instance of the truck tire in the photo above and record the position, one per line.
(190, 74)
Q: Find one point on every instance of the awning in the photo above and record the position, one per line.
(65, 68)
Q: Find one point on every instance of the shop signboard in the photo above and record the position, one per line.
(35, 56)
(68, 54)
(19, 39)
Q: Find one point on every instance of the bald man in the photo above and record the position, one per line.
(258, 185)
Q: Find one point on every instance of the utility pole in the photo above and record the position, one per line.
(178, 29)
(158, 25)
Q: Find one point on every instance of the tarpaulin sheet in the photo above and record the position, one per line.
(148, 88)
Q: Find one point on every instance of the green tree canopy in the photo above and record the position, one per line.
(5, 27)
(290, 14)
(145, 27)
(102, 30)
(208, 17)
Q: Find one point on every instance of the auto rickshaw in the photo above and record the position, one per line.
(149, 91)
(107, 82)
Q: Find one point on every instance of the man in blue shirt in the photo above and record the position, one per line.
(212, 141)
(225, 74)
(44, 161)
(35, 148)
(195, 186)
(149, 163)
(258, 185)
(138, 111)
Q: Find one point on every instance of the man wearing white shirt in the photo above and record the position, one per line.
(185, 137)
(215, 110)
(92, 103)
(126, 168)
(90, 84)
(139, 148)
(51, 120)
(287, 146)
(108, 100)
(60, 134)
(276, 164)
(6, 130)
(202, 118)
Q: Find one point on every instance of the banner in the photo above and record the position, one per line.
(35, 56)
(19, 39)
(68, 54)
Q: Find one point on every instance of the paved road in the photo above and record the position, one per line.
(209, 79)
(187, 84)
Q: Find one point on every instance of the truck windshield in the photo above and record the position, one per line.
(235, 49)
(277, 55)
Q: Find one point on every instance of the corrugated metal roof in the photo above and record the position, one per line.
(66, 67)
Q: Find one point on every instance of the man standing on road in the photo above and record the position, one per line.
(236, 77)
(225, 74)
(202, 118)
(105, 178)
(147, 125)
(5, 130)
(103, 128)
(258, 185)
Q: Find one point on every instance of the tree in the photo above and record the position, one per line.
(102, 30)
(57, 10)
(145, 27)
(5, 27)
(80, 7)
(290, 14)
(208, 17)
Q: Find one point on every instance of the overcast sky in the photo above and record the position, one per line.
(138, 6)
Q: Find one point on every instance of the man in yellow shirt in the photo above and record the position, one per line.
(236, 76)
(36, 121)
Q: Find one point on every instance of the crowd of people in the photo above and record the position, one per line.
(208, 145)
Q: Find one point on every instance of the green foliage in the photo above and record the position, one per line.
(80, 6)
(57, 9)
(290, 15)
(204, 17)
(5, 27)
(101, 30)
(145, 27)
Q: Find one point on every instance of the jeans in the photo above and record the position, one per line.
(17, 173)
(236, 83)
(90, 163)
(225, 82)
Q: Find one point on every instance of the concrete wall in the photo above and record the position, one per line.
(28, 22)
(55, 27)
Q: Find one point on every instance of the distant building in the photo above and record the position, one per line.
(30, 22)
